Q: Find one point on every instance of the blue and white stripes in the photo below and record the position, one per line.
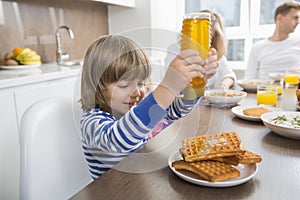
(106, 140)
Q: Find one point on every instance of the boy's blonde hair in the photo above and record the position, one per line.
(109, 59)
(218, 38)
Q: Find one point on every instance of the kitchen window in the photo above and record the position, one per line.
(247, 21)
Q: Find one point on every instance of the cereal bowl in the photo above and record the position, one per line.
(251, 85)
(229, 97)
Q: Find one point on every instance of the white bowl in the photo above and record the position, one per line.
(276, 76)
(251, 84)
(282, 130)
(224, 96)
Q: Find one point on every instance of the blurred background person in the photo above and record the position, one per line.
(281, 51)
(225, 77)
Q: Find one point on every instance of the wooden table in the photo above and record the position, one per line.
(146, 175)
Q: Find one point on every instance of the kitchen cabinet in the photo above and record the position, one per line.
(17, 93)
(125, 3)
(9, 148)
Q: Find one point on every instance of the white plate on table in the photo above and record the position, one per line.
(251, 84)
(247, 172)
(205, 102)
(238, 111)
(16, 67)
(282, 130)
(224, 97)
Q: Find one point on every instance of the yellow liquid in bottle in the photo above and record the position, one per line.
(196, 35)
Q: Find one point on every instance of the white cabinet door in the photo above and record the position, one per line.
(9, 148)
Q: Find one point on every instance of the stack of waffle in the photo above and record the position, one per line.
(213, 157)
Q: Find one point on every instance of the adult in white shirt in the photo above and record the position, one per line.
(225, 77)
(281, 51)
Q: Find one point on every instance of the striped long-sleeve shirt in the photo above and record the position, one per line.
(107, 140)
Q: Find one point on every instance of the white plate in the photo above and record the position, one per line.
(284, 131)
(238, 111)
(20, 66)
(251, 84)
(217, 96)
(247, 172)
(205, 102)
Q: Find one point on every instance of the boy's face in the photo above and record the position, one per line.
(125, 94)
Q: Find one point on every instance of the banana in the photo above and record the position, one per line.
(28, 56)
(23, 53)
(31, 62)
(32, 57)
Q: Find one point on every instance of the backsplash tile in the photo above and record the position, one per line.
(33, 24)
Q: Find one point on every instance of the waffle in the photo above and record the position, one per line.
(255, 112)
(230, 160)
(207, 147)
(248, 158)
(213, 171)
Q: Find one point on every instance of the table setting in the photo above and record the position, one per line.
(219, 112)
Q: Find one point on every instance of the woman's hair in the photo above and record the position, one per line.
(286, 7)
(218, 37)
(109, 59)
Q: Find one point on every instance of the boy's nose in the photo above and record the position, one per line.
(136, 92)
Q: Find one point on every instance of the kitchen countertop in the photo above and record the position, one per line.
(50, 71)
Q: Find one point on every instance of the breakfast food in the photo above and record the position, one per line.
(248, 158)
(211, 146)
(21, 56)
(28, 56)
(231, 160)
(213, 171)
(224, 94)
(214, 157)
(287, 121)
(255, 112)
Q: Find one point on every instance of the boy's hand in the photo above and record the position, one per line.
(212, 63)
(184, 67)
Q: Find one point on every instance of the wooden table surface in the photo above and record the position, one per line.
(146, 174)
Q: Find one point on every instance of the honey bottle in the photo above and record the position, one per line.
(196, 34)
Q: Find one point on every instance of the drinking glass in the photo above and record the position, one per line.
(278, 84)
(291, 78)
(266, 95)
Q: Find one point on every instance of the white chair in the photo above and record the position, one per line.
(52, 162)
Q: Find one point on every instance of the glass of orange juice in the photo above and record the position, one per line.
(267, 95)
(278, 84)
(291, 79)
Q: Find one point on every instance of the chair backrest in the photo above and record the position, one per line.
(52, 162)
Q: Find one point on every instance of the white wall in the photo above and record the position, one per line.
(164, 14)
(153, 24)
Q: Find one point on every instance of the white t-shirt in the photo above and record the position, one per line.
(273, 57)
(224, 70)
